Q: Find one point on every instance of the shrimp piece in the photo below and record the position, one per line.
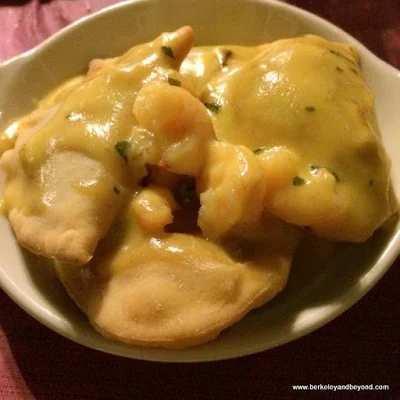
(180, 123)
(153, 207)
(300, 194)
(231, 188)
(279, 165)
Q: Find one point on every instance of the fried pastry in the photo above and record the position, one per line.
(65, 182)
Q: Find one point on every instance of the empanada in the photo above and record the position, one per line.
(65, 178)
(304, 108)
(174, 290)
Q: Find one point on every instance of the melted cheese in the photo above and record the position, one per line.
(303, 96)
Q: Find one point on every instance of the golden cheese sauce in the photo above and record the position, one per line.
(171, 289)
(192, 174)
(308, 96)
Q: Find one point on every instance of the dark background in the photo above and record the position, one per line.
(359, 347)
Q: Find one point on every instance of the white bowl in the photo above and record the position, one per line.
(316, 293)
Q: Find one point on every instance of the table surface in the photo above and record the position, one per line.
(359, 347)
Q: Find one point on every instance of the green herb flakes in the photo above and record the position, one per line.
(123, 149)
(174, 82)
(309, 108)
(214, 107)
(298, 181)
(371, 182)
(168, 51)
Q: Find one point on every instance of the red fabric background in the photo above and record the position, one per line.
(359, 347)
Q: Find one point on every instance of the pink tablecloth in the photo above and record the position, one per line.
(359, 347)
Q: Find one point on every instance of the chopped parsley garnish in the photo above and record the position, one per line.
(123, 149)
(214, 107)
(116, 191)
(330, 170)
(168, 51)
(309, 108)
(174, 82)
(259, 150)
(298, 181)
(339, 69)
